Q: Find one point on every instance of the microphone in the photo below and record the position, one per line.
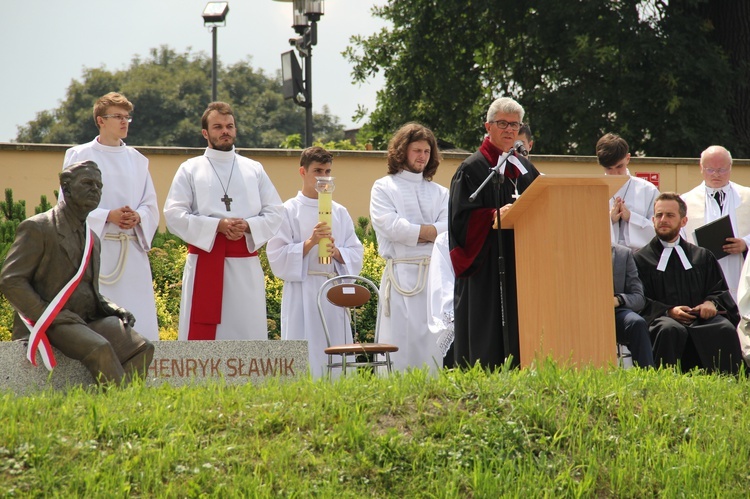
(520, 148)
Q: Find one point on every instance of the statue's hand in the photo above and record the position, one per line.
(125, 316)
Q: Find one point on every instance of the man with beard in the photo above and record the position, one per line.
(51, 278)
(408, 211)
(691, 314)
(474, 247)
(225, 207)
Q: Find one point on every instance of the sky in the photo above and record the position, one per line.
(46, 44)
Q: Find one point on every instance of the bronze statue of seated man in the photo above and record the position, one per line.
(48, 251)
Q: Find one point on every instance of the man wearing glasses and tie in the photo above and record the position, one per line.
(714, 198)
(127, 216)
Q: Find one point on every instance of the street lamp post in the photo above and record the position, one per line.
(215, 15)
(306, 14)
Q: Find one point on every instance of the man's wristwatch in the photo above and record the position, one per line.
(620, 300)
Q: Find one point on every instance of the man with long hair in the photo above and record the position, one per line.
(408, 211)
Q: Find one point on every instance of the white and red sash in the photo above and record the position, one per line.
(38, 338)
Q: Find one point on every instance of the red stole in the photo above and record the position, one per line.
(208, 285)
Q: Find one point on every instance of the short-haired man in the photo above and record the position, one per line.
(52, 270)
(632, 206)
(225, 207)
(717, 197)
(127, 216)
(474, 243)
(691, 314)
(293, 256)
(408, 210)
(524, 135)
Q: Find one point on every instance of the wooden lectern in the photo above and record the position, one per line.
(564, 269)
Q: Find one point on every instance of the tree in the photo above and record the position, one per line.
(645, 69)
(170, 92)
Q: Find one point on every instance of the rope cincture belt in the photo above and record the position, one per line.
(390, 279)
(329, 275)
(116, 274)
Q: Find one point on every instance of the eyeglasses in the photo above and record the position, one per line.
(720, 171)
(502, 125)
(119, 117)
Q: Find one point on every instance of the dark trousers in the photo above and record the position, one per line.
(710, 344)
(110, 350)
(631, 330)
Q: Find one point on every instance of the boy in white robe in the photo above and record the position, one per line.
(293, 256)
(127, 216)
(632, 206)
(225, 207)
(408, 211)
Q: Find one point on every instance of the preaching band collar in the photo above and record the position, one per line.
(667, 252)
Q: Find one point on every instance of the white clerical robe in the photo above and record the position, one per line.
(743, 303)
(399, 205)
(125, 274)
(440, 293)
(304, 275)
(193, 210)
(639, 196)
(702, 208)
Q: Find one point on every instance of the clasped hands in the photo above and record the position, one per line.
(619, 211)
(125, 217)
(233, 228)
(686, 315)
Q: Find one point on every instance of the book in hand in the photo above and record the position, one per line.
(713, 236)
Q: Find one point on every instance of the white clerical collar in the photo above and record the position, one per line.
(306, 201)
(713, 190)
(667, 252)
(102, 147)
(522, 169)
(219, 155)
(410, 176)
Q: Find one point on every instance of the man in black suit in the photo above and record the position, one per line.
(45, 256)
(631, 329)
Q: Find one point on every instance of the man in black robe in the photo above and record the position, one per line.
(691, 314)
(474, 242)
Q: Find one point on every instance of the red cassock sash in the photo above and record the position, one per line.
(208, 285)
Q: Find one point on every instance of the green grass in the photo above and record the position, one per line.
(551, 432)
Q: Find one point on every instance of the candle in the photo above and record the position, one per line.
(325, 188)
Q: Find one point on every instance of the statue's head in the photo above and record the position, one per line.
(81, 183)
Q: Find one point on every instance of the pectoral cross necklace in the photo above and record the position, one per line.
(515, 195)
(226, 199)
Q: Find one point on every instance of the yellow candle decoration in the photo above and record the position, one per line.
(325, 187)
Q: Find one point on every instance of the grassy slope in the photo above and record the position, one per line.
(549, 432)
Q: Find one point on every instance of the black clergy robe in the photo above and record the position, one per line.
(474, 253)
(711, 345)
